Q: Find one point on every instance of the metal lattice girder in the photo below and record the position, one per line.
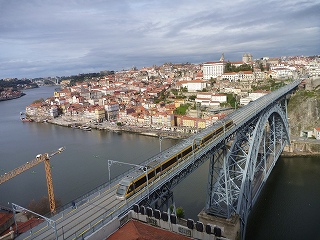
(158, 197)
(238, 172)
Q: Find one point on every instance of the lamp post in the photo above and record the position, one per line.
(194, 141)
(144, 168)
(224, 128)
(197, 141)
(160, 141)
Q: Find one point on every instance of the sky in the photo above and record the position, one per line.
(47, 38)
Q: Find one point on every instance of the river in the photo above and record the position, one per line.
(288, 207)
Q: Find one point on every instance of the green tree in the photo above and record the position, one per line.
(184, 89)
(228, 67)
(244, 67)
(231, 100)
(192, 97)
(182, 109)
(180, 212)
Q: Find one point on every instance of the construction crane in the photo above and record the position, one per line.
(45, 157)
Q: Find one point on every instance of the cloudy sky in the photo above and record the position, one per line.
(40, 38)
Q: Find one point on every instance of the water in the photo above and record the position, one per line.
(286, 209)
(80, 168)
(289, 205)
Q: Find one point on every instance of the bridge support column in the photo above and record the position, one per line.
(230, 227)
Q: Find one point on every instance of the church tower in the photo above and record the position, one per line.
(222, 58)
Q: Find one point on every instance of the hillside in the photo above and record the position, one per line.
(303, 111)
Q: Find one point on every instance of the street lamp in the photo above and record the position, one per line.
(144, 168)
(194, 141)
(160, 140)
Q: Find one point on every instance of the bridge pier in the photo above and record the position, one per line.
(230, 227)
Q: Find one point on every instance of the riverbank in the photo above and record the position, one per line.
(302, 147)
(299, 154)
(109, 126)
(12, 96)
(298, 146)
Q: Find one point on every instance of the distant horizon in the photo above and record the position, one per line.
(98, 71)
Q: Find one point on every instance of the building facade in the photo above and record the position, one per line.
(212, 70)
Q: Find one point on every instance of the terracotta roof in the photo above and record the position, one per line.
(134, 230)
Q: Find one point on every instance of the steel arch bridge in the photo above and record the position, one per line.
(240, 166)
(241, 156)
(240, 161)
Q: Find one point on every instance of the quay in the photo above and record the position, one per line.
(174, 133)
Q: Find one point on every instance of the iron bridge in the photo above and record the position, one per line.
(241, 159)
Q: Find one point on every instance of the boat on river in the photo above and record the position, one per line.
(86, 128)
(24, 118)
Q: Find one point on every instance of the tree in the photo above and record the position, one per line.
(41, 100)
(184, 89)
(228, 67)
(192, 97)
(182, 109)
(212, 80)
(244, 67)
(261, 67)
(231, 100)
(41, 206)
(180, 212)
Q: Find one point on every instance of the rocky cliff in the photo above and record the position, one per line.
(303, 111)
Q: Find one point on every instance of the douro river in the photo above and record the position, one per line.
(288, 207)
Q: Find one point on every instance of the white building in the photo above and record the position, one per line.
(239, 76)
(236, 91)
(257, 94)
(193, 86)
(316, 133)
(231, 76)
(314, 69)
(245, 101)
(219, 98)
(212, 70)
(210, 100)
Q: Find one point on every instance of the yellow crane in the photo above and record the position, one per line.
(45, 157)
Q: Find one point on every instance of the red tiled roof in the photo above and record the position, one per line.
(134, 230)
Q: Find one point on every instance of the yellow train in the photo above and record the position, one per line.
(136, 180)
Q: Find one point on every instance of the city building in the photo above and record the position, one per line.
(212, 70)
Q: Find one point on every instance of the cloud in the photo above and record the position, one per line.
(53, 38)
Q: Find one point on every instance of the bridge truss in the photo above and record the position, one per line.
(241, 165)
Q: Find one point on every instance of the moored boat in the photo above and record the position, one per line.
(86, 128)
(24, 118)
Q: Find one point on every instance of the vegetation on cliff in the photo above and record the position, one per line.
(303, 111)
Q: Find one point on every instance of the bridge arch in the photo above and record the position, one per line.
(245, 162)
